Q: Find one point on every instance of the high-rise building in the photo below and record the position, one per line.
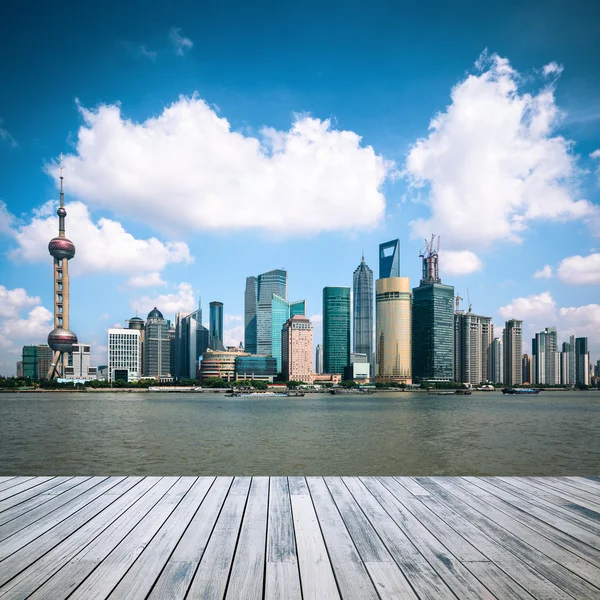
(432, 321)
(389, 259)
(62, 249)
(512, 341)
(336, 329)
(393, 330)
(36, 361)
(171, 336)
(157, 348)
(281, 311)
(191, 341)
(215, 341)
(473, 336)
(44, 360)
(526, 368)
(255, 366)
(545, 359)
(19, 369)
(297, 349)
(572, 365)
(496, 362)
(582, 361)
(319, 359)
(362, 319)
(564, 364)
(124, 354)
(250, 308)
(80, 368)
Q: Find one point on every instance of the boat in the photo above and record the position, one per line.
(350, 391)
(463, 392)
(175, 388)
(520, 391)
(441, 392)
(294, 394)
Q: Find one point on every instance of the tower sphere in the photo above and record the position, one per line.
(61, 247)
(62, 340)
(61, 211)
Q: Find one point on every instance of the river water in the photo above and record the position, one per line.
(555, 433)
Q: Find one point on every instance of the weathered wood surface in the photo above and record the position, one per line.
(311, 538)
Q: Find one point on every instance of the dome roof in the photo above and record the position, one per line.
(61, 247)
(136, 319)
(155, 314)
(62, 340)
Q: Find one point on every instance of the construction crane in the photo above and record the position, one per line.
(429, 253)
(457, 299)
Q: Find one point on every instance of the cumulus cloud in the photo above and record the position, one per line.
(492, 162)
(552, 68)
(539, 311)
(232, 336)
(22, 321)
(151, 279)
(544, 273)
(102, 246)
(580, 270)
(231, 319)
(596, 156)
(459, 262)
(187, 170)
(151, 54)
(180, 43)
(182, 299)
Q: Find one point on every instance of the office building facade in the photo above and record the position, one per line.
(191, 341)
(80, 368)
(215, 341)
(336, 329)
(526, 368)
(157, 347)
(250, 309)
(473, 337)
(496, 361)
(124, 354)
(36, 361)
(512, 342)
(297, 349)
(281, 311)
(260, 368)
(363, 313)
(582, 361)
(389, 259)
(219, 364)
(319, 359)
(545, 358)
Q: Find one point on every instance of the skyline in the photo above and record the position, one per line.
(285, 200)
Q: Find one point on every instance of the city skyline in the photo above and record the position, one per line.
(165, 223)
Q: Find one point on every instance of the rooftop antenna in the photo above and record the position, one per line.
(469, 298)
(62, 196)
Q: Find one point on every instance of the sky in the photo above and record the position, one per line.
(206, 142)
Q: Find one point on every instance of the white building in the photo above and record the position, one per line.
(124, 355)
(80, 368)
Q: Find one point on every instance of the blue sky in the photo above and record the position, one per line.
(204, 143)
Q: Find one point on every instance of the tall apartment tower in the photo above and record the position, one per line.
(526, 368)
(191, 342)
(62, 250)
(582, 361)
(497, 361)
(319, 359)
(157, 348)
(545, 358)
(336, 329)
(432, 321)
(473, 336)
(512, 340)
(297, 349)
(362, 319)
(281, 311)
(215, 341)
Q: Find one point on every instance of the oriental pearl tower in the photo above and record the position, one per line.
(62, 249)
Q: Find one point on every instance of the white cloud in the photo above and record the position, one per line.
(544, 273)
(168, 304)
(232, 336)
(541, 311)
(180, 43)
(596, 156)
(151, 279)
(552, 68)
(576, 270)
(492, 163)
(5, 136)
(186, 170)
(230, 319)
(22, 321)
(461, 262)
(151, 54)
(102, 246)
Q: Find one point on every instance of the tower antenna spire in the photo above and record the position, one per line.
(62, 195)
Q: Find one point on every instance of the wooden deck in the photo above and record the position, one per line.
(293, 537)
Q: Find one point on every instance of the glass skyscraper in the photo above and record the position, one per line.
(157, 348)
(216, 326)
(389, 259)
(267, 284)
(281, 311)
(582, 361)
(250, 301)
(336, 329)
(191, 341)
(363, 310)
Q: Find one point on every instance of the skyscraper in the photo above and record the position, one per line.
(124, 354)
(497, 361)
(157, 348)
(62, 249)
(526, 368)
(545, 359)
(363, 309)
(297, 349)
(389, 259)
(281, 311)
(582, 361)
(336, 329)
(250, 306)
(319, 359)
(512, 340)
(191, 341)
(215, 341)
(393, 330)
(432, 321)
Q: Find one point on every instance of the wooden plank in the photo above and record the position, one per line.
(500, 526)
(282, 575)
(496, 580)
(210, 580)
(140, 578)
(247, 573)
(556, 495)
(38, 561)
(388, 578)
(12, 482)
(32, 482)
(454, 542)
(350, 572)
(103, 579)
(577, 539)
(416, 489)
(177, 575)
(583, 484)
(459, 579)
(593, 500)
(316, 573)
(17, 522)
(31, 493)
